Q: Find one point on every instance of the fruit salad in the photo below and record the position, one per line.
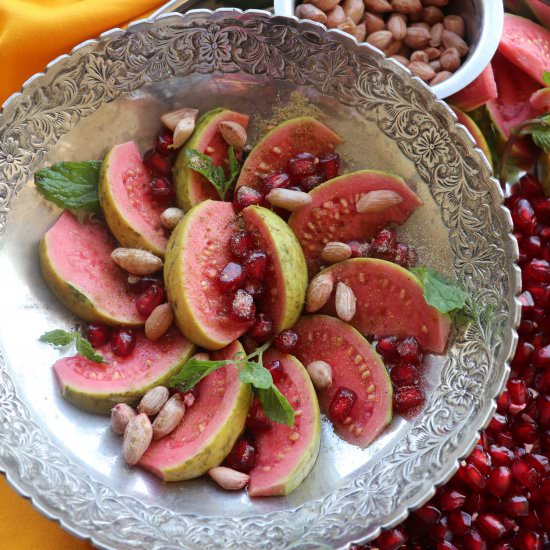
(233, 293)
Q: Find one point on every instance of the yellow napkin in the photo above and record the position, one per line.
(32, 33)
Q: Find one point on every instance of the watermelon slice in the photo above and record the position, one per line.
(271, 154)
(209, 428)
(76, 263)
(124, 195)
(355, 365)
(474, 129)
(286, 454)
(479, 92)
(96, 387)
(191, 187)
(540, 10)
(526, 45)
(332, 215)
(390, 302)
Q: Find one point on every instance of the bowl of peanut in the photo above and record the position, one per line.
(445, 43)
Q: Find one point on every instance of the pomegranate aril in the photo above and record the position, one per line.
(276, 370)
(543, 407)
(500, 480)
(242, 306)
(302, 164)
(516, 506)
(527, 327)
(441, 531)
(524, 217)
(162, 189)
(541, 294)
(247, 196)
(275, 181)
(256, 419)
(404, 374)
(542, 208)
(527, 303)
(392, 539)
(503, 402)
(241, 243)
(254, 288)
(429, 515)
(262, 329)
(475, 502)
(518, 391)
(255, 265)
(523, 354)
(481, 460)
(452, 500)
(473, 541)
(359, 249)
(446, 545)
(286, 341)
(307, 183)
(529, 540)
(491, 526)
(163, 143)
(525, 432)
(329, 165)
(402, 255)
(342, 404)
(532, 247)
(475, 480)
(98, 334)
(407, 397)
(149, 300)
(384, 243)
(537, 270)
(123, 341)
(501, 456)
(528, 186)
(242, 456)
(141, 284)
(525, 474)
(459, 522)
(158, 164)
(409, 350)
(231, 277)
(541, 357)
(498, 423)
(387, 347)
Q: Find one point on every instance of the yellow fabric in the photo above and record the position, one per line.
(32, 33)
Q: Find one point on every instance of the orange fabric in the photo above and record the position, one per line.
(32, 33)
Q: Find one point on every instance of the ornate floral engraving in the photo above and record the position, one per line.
(329, 63)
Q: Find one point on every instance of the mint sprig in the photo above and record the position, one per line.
(439, 291)
(274, 403)
(71, 185)
(203, 165)
(59, 338)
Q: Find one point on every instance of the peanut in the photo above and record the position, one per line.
(325, 5)
(374, 23)
(407, 6)
(393, 48)
(440, 77)
(403, 60)
(450, 59)
(420, 55)
(311, 12)
(432, 15)
(422, 70)
(397, 25)
(417, 38)
(360, 32)
(354, 9)
(378, 6)
(452, 40)
(335, 17)
(436, 35)
(380, 39)
(347, 26)
(454, 23)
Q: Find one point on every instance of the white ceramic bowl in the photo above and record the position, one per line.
(484, 22)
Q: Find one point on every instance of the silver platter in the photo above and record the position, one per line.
(114, 89)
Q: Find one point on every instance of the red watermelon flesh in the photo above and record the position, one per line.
(390, 302)
(355, 365)
(99, 386)
(477, 93)
(332, 214)
(526, 45)
(286, 454)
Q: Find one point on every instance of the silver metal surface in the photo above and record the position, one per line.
(484, 24)
(114, 89)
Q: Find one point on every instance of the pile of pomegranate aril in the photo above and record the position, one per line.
(500, 497)
(159, 161)
(122, 340)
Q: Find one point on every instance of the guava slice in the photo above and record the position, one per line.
(540, 11)
(286, 454)
(390, 302)
(332, 214)
(97, 387)
(124, 195)
(477, 93)
(512, 106)
(75, 258)
(286, 279)
(526, 45)
(209, 428)
(355, 365)
(272, 153)
(196, 252)
(476, 132)
(191, 187)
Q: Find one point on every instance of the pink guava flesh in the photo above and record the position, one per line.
(130, 185)
(355, 365)
(281, 449)
(477, 93)
(148, 362)
(332, 214)
(80, 254)
(390, 302)
(216, 394)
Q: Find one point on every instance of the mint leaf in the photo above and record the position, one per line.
(256, 374)
(194, 371)
(276, 406)
(57, 338)
(546, 77)
(203, 165)
(439, 292)
(541, 138)
(84, 348)
(71, 185)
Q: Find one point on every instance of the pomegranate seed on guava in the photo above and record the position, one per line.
(262, 329)
(242, 306)
(342, 404)
(98, 334)
(404, 374)
(302, 164)
(164, 142)
(157, 164)
(276, 370)
(149, 300)
(407, 397)
(254, 288)
(387, 347)
(256, 419)
(329, 165)
(247, 196)
(359, 249)
(231, 277)
(141, 284)
(241, 243)
(162, 189)
(275, 181)
(242, 456)
(402, 254)
(286, 341)
(384, 244)
(123, 341)
(307, 183)
(256, 265)
(409, 350)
